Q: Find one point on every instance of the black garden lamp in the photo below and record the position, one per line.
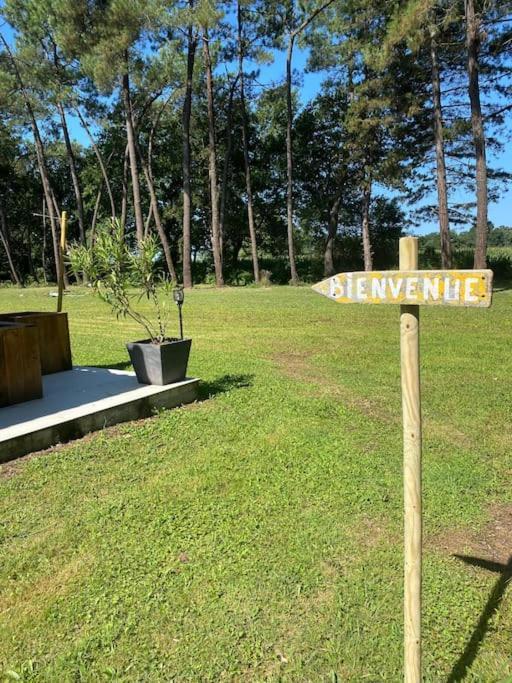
(179, 296)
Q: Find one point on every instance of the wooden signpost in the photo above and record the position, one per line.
(62, 249)
(411, 288)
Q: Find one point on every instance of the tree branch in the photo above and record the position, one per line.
(308, 20)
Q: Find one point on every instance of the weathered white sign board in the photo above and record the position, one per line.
(411, 288)
(415, 287)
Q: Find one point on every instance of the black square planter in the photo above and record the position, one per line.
(160, 363)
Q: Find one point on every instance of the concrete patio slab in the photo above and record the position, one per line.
(80, 401)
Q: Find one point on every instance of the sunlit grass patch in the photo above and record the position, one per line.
(256, 535)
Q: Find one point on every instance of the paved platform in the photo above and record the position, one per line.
(81, 401)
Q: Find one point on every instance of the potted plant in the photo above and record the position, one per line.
(124, 275)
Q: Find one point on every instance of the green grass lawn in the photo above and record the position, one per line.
(256, 535)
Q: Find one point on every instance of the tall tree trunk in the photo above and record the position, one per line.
(156, 215)
(159, 227)
(332, 229)
(289, 124)
(31, 267)
(212, 164)
(245, 143)
(187, 162)
(124, 196)
(74, 173)
(56, 208)
(98, 203)
(132, 153)
(294, 278)
(365, 221)
(95, 214)
(227, 159)
(442, 192)
(473, 47)
(43, 248)
(41, 159)
(102, 165)
(58, 238)
(147, 223)
(6, 242)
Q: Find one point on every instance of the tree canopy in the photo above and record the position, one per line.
(157, 115)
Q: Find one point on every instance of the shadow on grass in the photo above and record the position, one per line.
(221, 385)
(121, 365)
(467, 658)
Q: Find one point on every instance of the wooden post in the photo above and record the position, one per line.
(63, 226)
(411, 408)
(411, 288)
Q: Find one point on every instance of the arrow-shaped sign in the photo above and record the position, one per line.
(415, 287)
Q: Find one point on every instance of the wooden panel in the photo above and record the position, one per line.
(32, 364)
(54, 343)
(4, 380)
(20, 365)
(14, 345)
(415, 287)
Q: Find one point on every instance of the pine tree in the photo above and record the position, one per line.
(385, 117)
(192, 38)
(242, 50)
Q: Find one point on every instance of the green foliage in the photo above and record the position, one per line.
(499, 254)
(114, 269)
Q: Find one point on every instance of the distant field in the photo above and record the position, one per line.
(500, 251)
(256, 535)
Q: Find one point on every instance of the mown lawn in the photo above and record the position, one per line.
(256, 535)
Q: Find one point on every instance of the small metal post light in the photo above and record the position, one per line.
(179, 296)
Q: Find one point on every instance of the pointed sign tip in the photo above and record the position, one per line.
(321, 287)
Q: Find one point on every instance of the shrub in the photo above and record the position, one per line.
(113, 268)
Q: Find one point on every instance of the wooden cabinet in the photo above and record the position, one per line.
(53, 334)
(20, 364)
